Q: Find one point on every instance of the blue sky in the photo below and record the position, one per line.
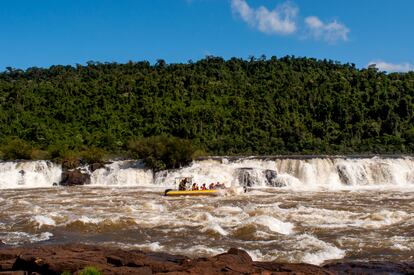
(46, 32)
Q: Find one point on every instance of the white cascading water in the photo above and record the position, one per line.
(308, 173)
(333, 173)
(29, 174)
(123, 173)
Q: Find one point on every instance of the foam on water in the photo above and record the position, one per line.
(212, 226)
(148, 246)
(43, 220)
(228, 210)
(273, 224)
(152, 206)
(383, 218)
(325, 218)
(401, 247)
(201, 250)
(256, 254)
(19, 238)
(91, 220)
(402, 243)
(155, 246)
(320, 250)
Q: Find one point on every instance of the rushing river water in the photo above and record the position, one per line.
(323, 220)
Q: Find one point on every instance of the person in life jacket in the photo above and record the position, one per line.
(211, 186)
(203, 187)
(195, 187)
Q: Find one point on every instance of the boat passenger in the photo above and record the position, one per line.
(211, 186)
(195, 187)
(203, 187)
(182, 185)
(219, 185)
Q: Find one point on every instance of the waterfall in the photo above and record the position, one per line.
(298, 173)
(123, 173)
(29, 174)
(325, 172)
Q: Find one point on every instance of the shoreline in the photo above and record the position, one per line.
(247, 157)
(55, 259)
(307, 157)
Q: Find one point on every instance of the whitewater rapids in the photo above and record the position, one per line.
(297, 210)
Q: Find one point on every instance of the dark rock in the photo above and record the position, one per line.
(7, 264)
(7, 259)
(286, 268)
(114, 260)
(32, 264)
(245, 177)
(343, 175)
(248, 177)
(55, 259)
(271, 178)
(234, 261)
(145, 270)
(372, 267)
(165, 257)
(96, 166)
(75, 177)
(242, 255)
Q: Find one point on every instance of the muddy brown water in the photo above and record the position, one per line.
(270, 224)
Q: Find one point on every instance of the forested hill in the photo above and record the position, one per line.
(224, 107)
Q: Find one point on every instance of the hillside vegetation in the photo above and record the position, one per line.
(213, 106)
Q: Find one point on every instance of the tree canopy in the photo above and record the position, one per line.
(225, 107)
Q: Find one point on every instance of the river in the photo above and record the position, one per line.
(296, 210)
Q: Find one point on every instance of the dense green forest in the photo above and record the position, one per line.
(213, 106)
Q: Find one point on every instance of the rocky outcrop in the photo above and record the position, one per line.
(73, 258)
(373, 267)
(75, 177)
(249, 177)
(246, 177)
(96, 166)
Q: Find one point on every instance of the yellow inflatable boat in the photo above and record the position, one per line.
(171, 192)
(184, 188)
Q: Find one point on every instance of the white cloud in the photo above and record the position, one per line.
(330, 32)
(283, 20)
(391, 67)
(280, 20)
